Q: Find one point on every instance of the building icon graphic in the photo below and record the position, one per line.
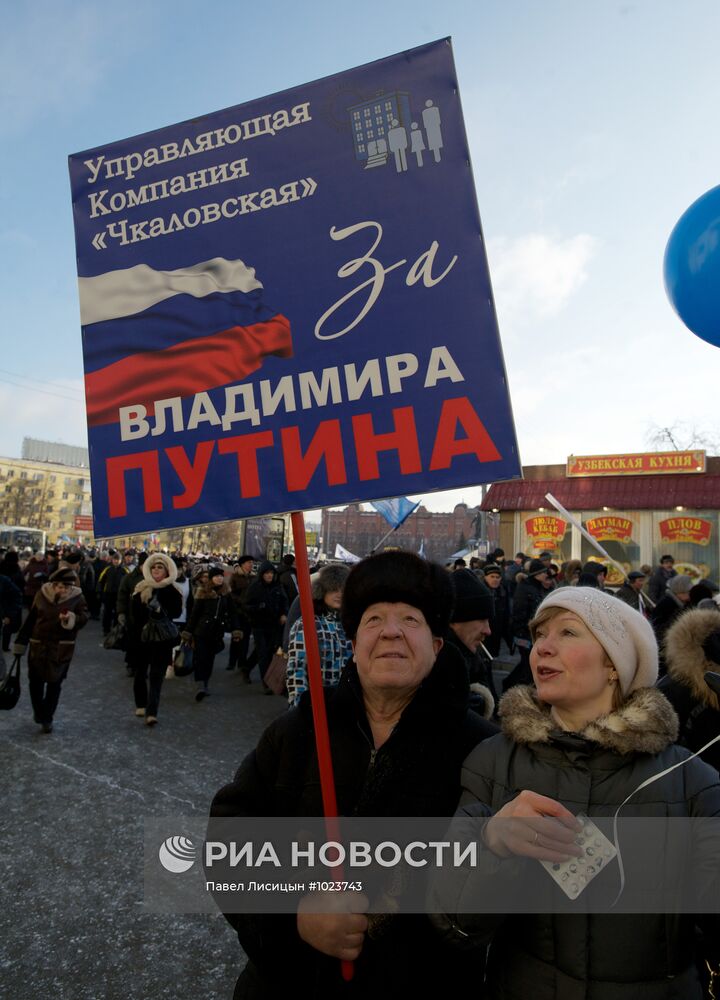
(372, 120)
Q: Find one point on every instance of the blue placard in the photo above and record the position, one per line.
(286, 305)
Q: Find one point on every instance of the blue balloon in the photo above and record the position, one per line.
(692, 267)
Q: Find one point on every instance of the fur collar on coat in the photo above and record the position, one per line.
(686, 661)
(206, 592)
(645, 723)
(49, 594)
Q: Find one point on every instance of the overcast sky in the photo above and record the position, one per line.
(592, 127)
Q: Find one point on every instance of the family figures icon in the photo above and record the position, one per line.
(398, 141)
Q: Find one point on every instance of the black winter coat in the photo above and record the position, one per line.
(529, 594)
(414, 773)
(212, 614)
(665, 612)
(11, 602)
(588, 956)
(265, 604)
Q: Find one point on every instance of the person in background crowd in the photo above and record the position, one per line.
(36, 574)
(477, 567)
(267, 606)
(100, 559)
(53, 560)
(569, 573)
(459, 564)
(240, 582)
(496, 558)
(10, 570)
(58, 613)
(294, 611)
(183, 584)
(631, 592)
(287, 577)
(711, 585)
(469, 630)
(211, 617)
(134, 654)
(660, 577)
(200, 580)
(700, 592)
(335, 648)
(529, 593)
(156, 598)
(593, 574)
(587, 737)
(692, 647)
(399, 729)
(108, 585)
(512, 570)
(667, 609)
(86, 575)
(11, 600)
(500, 620)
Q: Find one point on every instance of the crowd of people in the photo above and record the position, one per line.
(607, 706)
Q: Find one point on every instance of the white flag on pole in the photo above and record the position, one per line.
(342, 553)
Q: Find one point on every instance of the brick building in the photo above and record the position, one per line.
(359, 531)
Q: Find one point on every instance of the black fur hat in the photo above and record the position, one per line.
(398, 577)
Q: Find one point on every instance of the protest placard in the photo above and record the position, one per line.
(286, 305)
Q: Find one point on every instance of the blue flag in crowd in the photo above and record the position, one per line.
(395, 511)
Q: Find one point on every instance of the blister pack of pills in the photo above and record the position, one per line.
(575, 875)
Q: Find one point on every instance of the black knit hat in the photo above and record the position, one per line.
(397, 577)
(492, 568)
(472, 601)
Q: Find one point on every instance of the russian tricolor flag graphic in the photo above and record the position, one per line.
(151, 334)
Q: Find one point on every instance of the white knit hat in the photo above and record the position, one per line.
(625, 635)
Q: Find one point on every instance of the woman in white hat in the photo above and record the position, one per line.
(591, 737)
(157, 601)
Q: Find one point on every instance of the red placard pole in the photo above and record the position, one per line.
(317, 698)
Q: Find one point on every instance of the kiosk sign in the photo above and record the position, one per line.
(286, 305)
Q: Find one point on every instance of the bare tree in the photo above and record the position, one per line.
(223, 537)
(680, 436)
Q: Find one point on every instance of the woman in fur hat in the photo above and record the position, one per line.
(593, 736)
(399, 727)
(335, 647)
(58, 613)
(692, 647)
(156, 600)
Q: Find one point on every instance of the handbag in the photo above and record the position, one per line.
(10, 686)
(159, 630)
(116, 638)
(183, 662)
(276, 674)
